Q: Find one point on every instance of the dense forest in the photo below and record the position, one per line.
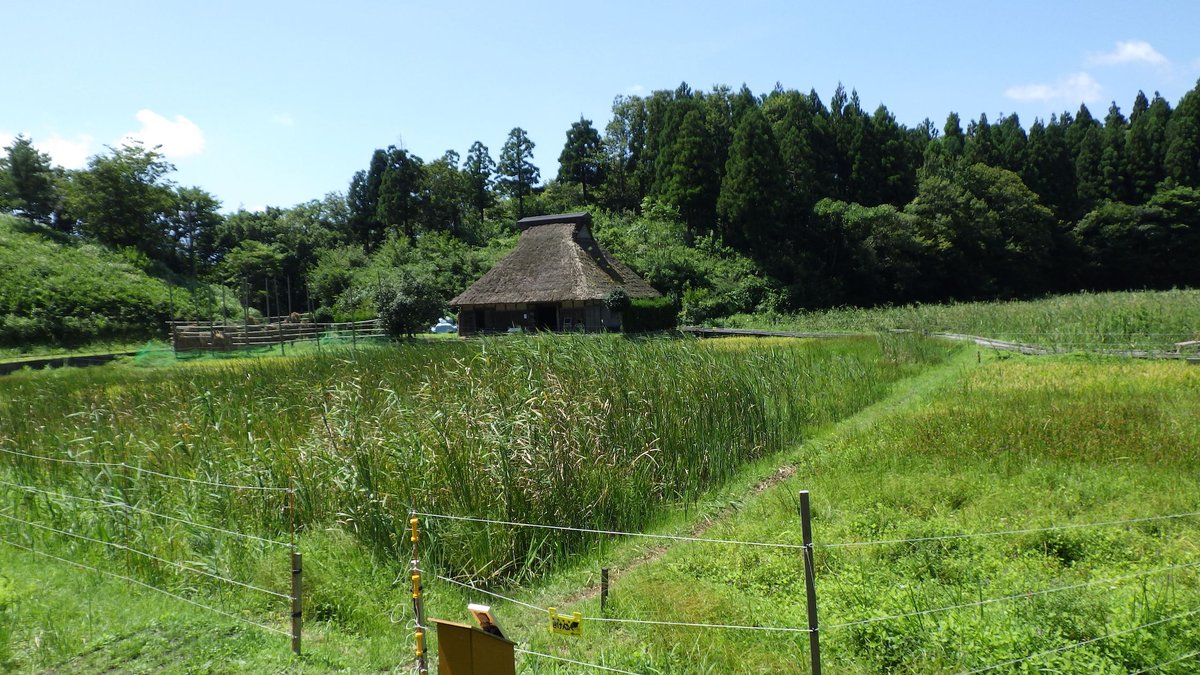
(725, 200)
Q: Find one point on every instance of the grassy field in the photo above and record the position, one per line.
(1151, 320)
(1013, 444)
(587, 431)
(899, 439)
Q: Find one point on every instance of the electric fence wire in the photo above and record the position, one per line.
(150, 556)
(130, 507)
(1016, 596)
(1185, 657)
(1076, 645)
(645, 535)
(998, 533)
(594, 666)
(146, 585)
(138, 469)
(881, 542)
(490, 593)
(543, 610)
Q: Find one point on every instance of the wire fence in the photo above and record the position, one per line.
(188, 568)
(1026, 595)
(143, 471)
(57, 537)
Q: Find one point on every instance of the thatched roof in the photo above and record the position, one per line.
(556, 259)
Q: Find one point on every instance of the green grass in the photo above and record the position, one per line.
(1153, 320)
(896, 438)
(586, 430)
(1014, 444)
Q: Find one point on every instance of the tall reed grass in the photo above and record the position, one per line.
(571, 430)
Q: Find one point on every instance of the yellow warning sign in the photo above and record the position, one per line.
(566, 625)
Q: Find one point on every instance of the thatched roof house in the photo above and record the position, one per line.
(557, 278)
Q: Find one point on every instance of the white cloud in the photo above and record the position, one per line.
(178, 138)
(1133, 51)
(67, 153)
(283, 119)
(1080, 87)
(635, 90)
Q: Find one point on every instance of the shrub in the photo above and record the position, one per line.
(406, 304)
(646, 315)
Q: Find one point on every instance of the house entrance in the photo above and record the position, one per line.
(545, 317)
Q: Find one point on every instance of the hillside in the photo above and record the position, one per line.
(54, 289)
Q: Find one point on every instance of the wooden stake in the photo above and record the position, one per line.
(810, 587)
(603, 589)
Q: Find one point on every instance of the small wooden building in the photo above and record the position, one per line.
(557, 278)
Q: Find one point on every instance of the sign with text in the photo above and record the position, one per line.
(566, 625)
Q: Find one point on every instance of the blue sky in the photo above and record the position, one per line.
(273, 103)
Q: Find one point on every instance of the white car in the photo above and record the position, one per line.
(444, 325)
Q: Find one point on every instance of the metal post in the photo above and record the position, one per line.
(297, 567)
(814, 641)
(282, 342)
(417, 600)
(297, 609)
(603, 589)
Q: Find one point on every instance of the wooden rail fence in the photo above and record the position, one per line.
(211, 336)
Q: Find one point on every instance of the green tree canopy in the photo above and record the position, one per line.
(518, 175)
(478, 172)
(582, 158)
(124, 198)
(749, 198)
(27, 185)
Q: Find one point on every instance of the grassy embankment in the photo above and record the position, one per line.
(1152, 320)
(61, 296)
(574, 430)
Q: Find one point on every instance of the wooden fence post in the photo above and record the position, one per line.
(603, 589)
(810, 587)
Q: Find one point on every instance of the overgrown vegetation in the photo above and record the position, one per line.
(59, 291)
(581, 430)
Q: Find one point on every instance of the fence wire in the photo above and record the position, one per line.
(594, 666)
(738, 542)
(149, 556)
(1083, 643)
(143, 584)
(140, 470)
(652, 622)
(1185, 657)
(130, 507)
(1016, 596)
